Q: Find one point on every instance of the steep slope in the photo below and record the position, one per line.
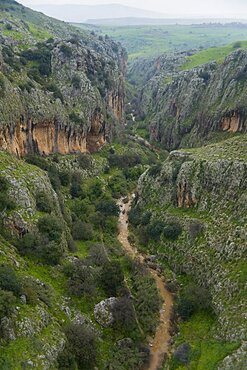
(61, 89)
(186, 108)
(196, 217)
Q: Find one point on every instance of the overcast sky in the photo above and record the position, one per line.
(217, 8)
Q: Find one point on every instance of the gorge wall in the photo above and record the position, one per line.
(63, 94)
(202, 193)
(186, 108)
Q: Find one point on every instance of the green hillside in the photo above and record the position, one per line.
(150, 41)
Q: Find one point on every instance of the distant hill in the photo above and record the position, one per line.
(80, 13)
(143, 21)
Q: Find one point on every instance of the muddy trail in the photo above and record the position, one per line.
(159, 345)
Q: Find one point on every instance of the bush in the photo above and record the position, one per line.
(81, 279)
(51, 226)
(82, 230)
(125, 160)
(155, 229)
(182, 353)
(6, 204)
(97, 254)
(41, 247)
(192, 299)
(112, 277)
(135, 216)
(85, 161)
(108, 207)
(51, 252)
(66, 50)
(172, 231)
(75, 117)
(65, 178)
(56, 91)
(2, 87)
(81, 345)
(154, 171)
(43, 202)
(8, 280)
(124, 314)
(7, 302)
(76, 82)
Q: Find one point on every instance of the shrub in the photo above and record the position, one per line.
(81, 279)
(27, 245)
(112, 277)
(35, 291)
(135, 216)
(75, 117)
(108, 207)
(172, 231)
(43, 202)
(65, 178)
(2, 87)
(82, 344)
(51, 252)
(56, 91)
(51, 226)
(8, 280)
(97, 254)
(7, 302)
(85, 161)
(124, 314)
(66, 50)
(82, 230)
(155, 229)
(125, 160)
(76, 82)
(154, 171)
(193, 298)
(6, 203)
(182, 353)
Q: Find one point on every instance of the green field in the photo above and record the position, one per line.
(217, 54)
(146, 41)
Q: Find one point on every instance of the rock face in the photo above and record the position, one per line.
(60, 95)
(204, 191)
(184, 108)
(103, 312)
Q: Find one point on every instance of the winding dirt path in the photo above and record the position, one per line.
(159, 345)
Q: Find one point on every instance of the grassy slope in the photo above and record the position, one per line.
(217, 54)
(27, 26)
(149, 41)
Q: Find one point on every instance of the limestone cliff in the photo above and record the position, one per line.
(186, 108)
(63, 93)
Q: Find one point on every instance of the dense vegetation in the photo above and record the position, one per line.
(73, 237)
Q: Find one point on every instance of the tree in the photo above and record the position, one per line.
(108, 207)
(112, 277)
(8, 279)
(82, 344)
(51, 226)
(82, 230)
(7, 302)
(81, 279)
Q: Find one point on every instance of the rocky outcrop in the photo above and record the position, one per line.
(103, 312)
(69, 93)
(184, 108)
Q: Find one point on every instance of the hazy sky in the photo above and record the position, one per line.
(217, 8)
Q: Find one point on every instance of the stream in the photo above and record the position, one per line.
(159, 345)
